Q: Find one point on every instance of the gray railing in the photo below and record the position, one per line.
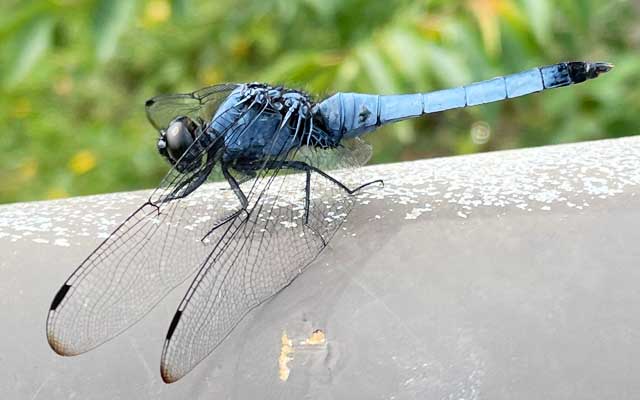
(500, 275)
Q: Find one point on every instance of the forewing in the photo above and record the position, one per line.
(200, 105)
(154, 250)
(259, 255)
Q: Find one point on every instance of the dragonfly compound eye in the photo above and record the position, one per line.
(179, 136)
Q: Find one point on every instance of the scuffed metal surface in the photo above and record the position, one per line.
(545, 178)
(500, 275)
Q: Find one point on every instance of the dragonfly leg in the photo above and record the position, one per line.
(244, 203)
(241, 180)
(307, 201)
(189, 185)
(234, 186)
(302, 166)
(307, 196)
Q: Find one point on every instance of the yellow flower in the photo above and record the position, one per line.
(157, 12)
(82, 162)
(56, 193)
(431, 26)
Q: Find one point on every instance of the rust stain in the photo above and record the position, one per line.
(317, 337)
(286, 355)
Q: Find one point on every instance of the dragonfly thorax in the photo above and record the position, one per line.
(261, 121)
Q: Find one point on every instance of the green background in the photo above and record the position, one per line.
(75, 74)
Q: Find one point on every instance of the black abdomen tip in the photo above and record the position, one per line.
(581, 71)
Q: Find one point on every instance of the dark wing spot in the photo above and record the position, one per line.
(174, 323)
(59, 296)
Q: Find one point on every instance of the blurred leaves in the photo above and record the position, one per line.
(76, 73)
(30, 44)
(540, 13)
(111, 18)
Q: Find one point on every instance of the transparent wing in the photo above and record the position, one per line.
(151, 252)
(200, 105)
(260, 254)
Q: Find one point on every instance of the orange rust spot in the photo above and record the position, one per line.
(317, 337)
(286, 355)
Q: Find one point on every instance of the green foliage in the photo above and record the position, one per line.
(74, 74)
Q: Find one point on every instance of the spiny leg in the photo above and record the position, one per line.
(307, 196)
(244, 203)
(302, 166)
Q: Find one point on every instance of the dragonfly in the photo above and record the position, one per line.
(291, 167)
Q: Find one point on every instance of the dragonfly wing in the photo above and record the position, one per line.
(151, 252)
(200, 105)
(258, 255)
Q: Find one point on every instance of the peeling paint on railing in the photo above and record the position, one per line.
(545, 178)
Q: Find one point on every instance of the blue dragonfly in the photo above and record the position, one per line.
(274, 147)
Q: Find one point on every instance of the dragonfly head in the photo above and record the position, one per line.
(177, 139)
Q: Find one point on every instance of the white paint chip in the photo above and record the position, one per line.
(567, 176)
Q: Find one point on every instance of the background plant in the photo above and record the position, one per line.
(75, 74)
